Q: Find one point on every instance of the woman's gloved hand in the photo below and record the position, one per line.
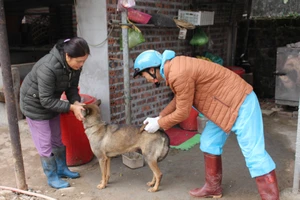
(152, 124)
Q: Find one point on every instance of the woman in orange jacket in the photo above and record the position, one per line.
(226, 100)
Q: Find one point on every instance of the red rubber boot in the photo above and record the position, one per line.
(213, 178)
(267, 186)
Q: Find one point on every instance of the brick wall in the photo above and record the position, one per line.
(146, 100)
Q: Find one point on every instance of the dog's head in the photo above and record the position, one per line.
(91, 109)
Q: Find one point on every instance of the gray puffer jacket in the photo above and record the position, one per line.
(43, 86)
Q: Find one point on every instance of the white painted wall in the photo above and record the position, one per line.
(92, 26)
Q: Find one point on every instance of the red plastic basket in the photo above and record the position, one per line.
(138, 16)
(78, 150)
(190, 123)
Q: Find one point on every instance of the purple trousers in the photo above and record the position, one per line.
(46, 134)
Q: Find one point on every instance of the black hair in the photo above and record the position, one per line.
(74, 47)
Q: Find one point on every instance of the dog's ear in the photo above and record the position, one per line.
(86, 112)
(85, 106)
(98, 102)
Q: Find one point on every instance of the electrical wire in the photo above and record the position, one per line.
(79, 30)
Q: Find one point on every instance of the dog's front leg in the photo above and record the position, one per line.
(102, 163)
(108, 170)
(157, 175)
(150, 184)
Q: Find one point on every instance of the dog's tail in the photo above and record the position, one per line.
(166, 146)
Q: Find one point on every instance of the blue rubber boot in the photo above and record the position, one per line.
(50, 169)
(62, 168)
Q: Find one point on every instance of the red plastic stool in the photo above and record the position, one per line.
(238, 70)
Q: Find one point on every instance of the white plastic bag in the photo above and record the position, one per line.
(123, 4)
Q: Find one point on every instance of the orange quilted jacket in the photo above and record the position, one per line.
(214, 90)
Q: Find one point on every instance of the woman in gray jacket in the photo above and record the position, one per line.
(40, 102)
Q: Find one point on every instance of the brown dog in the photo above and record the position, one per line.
(111, 140)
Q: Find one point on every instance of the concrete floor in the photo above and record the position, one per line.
(182, 170)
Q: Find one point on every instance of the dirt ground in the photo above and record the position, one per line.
(182, 170)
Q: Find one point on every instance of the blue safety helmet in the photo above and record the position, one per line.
(145, 60)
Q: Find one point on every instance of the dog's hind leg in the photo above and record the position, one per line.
(157, 176)
(103, 167)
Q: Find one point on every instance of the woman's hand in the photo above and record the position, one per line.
(76, 108)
